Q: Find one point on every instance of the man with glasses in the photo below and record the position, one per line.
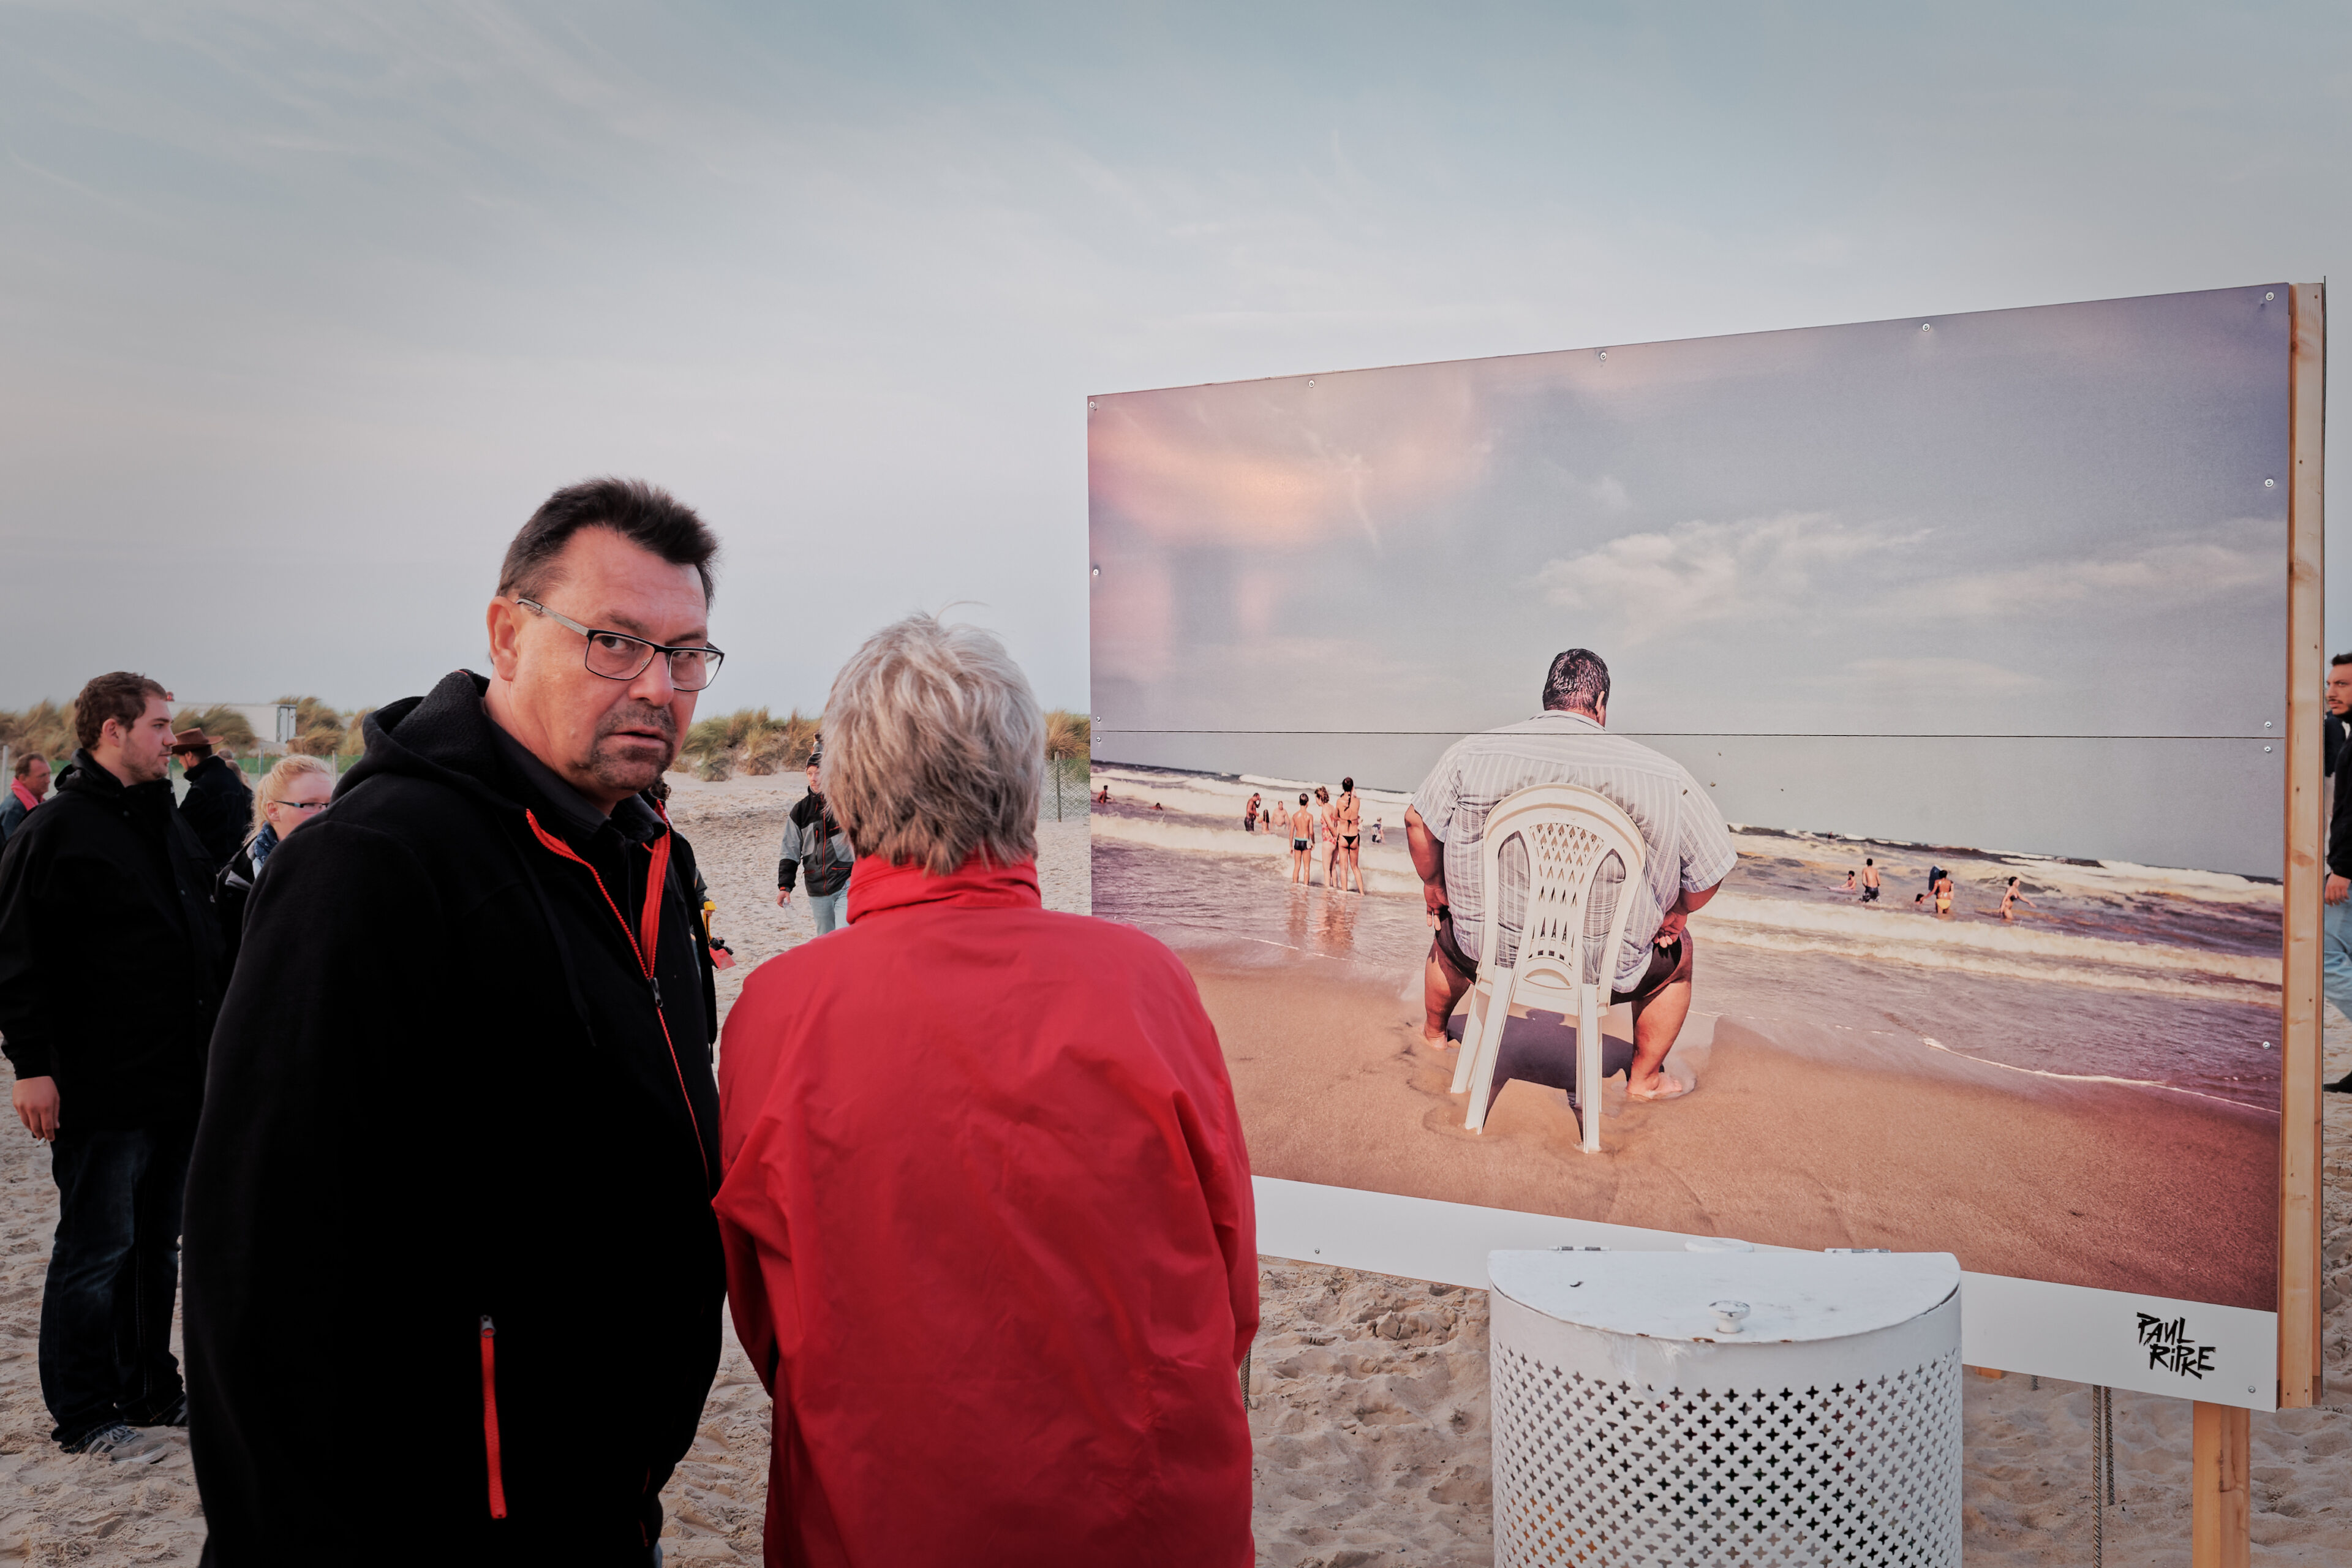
(454, 1281)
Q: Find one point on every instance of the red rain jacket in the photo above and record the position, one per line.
(990, 1239)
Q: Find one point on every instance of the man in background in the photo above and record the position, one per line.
(2335, 914)
(111, 975)
(27, 788)
(1688, 854)
(454, 1281)
(220, 803)
(816, 849)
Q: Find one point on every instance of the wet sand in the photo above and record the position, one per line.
(1787, 1141)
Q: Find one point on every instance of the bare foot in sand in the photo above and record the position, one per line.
(1659, 1086)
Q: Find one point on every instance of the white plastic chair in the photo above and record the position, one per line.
(1570, 831)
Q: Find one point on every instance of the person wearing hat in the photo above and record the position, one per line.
(218, 803)
(816, 847)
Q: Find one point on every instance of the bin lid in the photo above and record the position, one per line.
(1790, 1297)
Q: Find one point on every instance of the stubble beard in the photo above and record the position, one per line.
(623, 764)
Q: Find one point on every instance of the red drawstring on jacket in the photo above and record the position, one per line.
(490, 1418)
(655, 880)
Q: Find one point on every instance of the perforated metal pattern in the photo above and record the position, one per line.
(1596, 1474)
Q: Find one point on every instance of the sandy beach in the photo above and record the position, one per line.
(1867, 1073)
(1369, 1401)
(1812, 1144)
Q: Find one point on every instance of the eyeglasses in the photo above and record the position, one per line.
(616, 655)
(303, 804)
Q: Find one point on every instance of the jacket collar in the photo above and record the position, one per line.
(876, 887)
(18, 788)
(448, 735)
(84, 776)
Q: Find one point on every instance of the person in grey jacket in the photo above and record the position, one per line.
(816, 849)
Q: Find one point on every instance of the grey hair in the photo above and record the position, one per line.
(933, 748)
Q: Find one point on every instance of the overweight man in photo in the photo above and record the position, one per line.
(1687, 849)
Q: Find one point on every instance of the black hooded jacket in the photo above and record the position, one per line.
(110, 958)
(219, 806)
(453, 1176)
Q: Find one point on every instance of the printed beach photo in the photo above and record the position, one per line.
(1951, 648)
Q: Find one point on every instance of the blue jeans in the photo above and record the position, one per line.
(2335, 953)
(106, 1310)
(825, 910)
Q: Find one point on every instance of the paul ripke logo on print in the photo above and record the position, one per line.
(2170, 1349)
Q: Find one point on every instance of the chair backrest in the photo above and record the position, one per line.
(1570, 831)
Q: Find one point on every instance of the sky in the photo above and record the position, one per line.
(304, 308)
(2018, 530)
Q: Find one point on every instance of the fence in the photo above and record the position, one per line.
(1067, 787)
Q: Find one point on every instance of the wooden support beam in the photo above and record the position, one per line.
(2300, 1371)
(2222, 1511)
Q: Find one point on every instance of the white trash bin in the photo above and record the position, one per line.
(1713, 1409)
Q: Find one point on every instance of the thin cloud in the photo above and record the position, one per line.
(1932, 677)
(1695, 573)
(2186, 568)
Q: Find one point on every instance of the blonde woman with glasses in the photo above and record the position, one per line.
(292, 792)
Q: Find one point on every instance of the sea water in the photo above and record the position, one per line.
(2162, 977)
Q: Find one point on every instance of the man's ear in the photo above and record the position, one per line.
(504, 621)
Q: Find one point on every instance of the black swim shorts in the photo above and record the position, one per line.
(1667, 964)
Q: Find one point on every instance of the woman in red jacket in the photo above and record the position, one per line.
(987, 1208)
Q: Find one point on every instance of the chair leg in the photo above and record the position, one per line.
(1490, 1049)
(1473, 1024)
(1587, 1063)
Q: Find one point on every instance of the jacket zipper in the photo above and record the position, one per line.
(490, 1418)
(645, 950)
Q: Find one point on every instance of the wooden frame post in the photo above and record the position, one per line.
(2301, 1376)
(2222, 1512)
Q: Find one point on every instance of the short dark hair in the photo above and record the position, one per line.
(1578, 679)
(645, 515)
(120, 695)
(2340, 659)
(24, 764)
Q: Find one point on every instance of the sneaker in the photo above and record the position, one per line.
(121, 1444)
(175, 1414)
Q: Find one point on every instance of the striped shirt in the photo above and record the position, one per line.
(1686, 843)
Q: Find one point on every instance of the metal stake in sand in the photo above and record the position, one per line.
(2108, 1441)
(2098, 1493)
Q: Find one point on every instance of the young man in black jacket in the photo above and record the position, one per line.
(111, 973)
(454, 1281)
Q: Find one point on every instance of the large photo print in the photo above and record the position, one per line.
(1891, 717)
